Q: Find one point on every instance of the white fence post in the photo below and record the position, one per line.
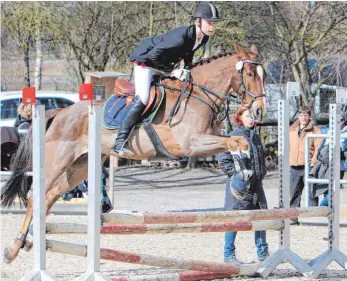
(94, 204)
(39, 197)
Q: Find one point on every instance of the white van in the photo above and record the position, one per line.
(51, 99)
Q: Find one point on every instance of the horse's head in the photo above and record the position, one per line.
(249, 81)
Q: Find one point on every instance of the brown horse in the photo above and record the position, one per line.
(190, 132)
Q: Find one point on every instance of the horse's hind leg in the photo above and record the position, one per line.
(63, 183)
(19, 242)
(53, 175)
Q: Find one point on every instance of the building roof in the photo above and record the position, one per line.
(107, 74)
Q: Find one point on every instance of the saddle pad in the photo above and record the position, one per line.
(115, 110)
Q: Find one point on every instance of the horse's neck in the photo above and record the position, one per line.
(218, 81)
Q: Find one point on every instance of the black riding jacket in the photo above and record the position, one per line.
(164, 51)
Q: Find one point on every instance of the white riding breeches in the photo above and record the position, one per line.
(143, 79)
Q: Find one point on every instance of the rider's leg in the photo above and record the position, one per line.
(143, 78)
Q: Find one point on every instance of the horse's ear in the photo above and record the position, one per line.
(254, 50)
(240, 51)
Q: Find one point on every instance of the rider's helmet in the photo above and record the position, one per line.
(206, 11)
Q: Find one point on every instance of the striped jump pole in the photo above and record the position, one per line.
(218, 216)
(119, 256)
(176, 276)
(65, 228)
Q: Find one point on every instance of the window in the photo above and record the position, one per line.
(62, 103)
(51, 103)
(9, 108)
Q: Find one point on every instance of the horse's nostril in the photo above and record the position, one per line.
(258, 111)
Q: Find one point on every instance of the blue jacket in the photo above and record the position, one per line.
(164, 51)
(255, 198)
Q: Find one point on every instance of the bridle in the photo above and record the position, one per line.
(239, 67)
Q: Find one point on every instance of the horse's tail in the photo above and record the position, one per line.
(19, 184)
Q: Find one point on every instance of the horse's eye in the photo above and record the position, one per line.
(250, 74)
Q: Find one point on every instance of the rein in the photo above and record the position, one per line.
(183, 92)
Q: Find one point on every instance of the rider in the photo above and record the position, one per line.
(163, 52)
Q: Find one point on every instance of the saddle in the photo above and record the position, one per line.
(124, 88)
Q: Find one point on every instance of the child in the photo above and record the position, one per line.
(244, 189)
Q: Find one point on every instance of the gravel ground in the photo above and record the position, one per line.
(148, 189)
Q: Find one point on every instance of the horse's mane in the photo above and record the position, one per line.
(208, 60)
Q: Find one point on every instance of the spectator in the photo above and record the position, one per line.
(244, 189)
(24, 114)
(297, 133)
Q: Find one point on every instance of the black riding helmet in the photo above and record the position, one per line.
(206, 11)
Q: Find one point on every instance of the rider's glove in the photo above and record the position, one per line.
(180, 74)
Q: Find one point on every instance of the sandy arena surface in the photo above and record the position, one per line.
(148, 189)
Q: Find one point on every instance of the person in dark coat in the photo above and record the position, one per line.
(164, 52)
(245, 171)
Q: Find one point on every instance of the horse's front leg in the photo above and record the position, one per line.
(207, 145)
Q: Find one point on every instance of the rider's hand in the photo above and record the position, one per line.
(180, 74)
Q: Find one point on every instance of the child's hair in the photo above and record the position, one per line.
(237, 116)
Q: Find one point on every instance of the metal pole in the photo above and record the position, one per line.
(39, 188)
(283, 167)
(94, 175)
(111, 180)
(334, 176)
(307, 171)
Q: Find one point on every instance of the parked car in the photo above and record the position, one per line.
(51, 99)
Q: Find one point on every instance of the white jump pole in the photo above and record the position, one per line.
(94, 210)
(284, 253)
(39, 197)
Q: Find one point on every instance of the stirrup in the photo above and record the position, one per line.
(124, 151)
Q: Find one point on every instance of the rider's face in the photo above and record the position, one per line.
(207, 27)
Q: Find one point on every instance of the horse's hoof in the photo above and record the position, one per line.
(9, 256)
(28, 245)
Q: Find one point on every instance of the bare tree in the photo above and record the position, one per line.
(306, 31)
(20, 23)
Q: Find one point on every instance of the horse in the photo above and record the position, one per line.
(191, 131)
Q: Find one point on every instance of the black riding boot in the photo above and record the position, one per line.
(130, 120)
